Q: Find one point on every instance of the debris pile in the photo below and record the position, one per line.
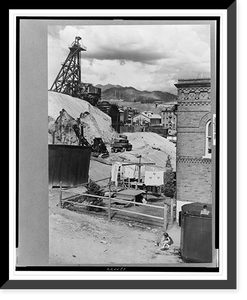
(152, 147)
(93, 189)
(95, 122)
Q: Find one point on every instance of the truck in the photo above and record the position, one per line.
(120, 145)
(99, 148)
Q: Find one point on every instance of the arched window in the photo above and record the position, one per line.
(208, 142)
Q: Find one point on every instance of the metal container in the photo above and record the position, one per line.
(69, 164)
(196, 233)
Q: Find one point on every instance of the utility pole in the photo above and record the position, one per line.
(139, 169)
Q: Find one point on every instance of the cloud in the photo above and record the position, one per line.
(144, 56)
(113, 43)
(122, 62)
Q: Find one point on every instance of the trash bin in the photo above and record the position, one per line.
(196, 233)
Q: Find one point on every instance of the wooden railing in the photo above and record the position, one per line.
(109, 208)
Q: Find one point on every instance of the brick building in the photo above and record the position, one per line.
(194, 175)
(169, 118)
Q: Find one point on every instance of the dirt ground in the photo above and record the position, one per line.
(83, 239)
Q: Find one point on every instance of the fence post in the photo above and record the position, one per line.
(109, 204)
(60, 195)
(165, 217)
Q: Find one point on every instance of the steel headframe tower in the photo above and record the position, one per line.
(68, 80)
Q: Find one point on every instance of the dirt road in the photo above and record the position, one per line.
(81, 239)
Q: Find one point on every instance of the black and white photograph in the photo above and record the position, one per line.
(122, 149)
(130, 134)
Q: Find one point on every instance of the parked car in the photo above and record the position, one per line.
(122, 136)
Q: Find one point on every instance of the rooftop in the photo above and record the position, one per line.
(193, 82)
(151, 115)
(155, 116)
(194, 79)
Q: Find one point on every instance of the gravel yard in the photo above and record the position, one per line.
(85, 239)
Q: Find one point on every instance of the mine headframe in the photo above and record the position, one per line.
(68, 80)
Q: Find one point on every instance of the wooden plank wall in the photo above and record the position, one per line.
(69, 164)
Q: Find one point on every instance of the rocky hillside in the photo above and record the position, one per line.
(107, 86)
(95, 122)
(128, 93)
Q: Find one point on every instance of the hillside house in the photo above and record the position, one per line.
(147, 118)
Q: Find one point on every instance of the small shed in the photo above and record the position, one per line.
(130, 195)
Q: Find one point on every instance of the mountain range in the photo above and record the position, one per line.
(129, 93)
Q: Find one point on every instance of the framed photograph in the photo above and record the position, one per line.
(118, 163)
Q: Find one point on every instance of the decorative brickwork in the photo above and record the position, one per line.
(188, 93)
(201, 103)
(188, 160)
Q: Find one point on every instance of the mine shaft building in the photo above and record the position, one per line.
(194, 170)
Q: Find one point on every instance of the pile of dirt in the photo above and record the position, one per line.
(152, 147)
(96, 123)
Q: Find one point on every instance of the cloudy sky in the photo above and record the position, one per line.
(147, 57)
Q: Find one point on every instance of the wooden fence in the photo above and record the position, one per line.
(110, 209)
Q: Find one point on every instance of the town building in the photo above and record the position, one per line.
(128, 115)
(193, 162)
(104, 106)
(169, 118)
(121, 116)
(147, 118)
(113, 111)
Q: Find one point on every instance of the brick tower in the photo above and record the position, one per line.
(194, 178)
